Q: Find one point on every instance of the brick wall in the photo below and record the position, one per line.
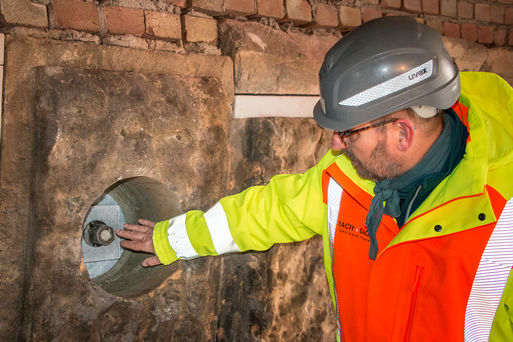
(191, 25)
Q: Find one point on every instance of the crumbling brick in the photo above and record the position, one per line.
(469, 32)
(451, 30)
(326, 15)
(435, 24)
(76, 14)
(199, 29)
(413, 5)
(497, 14)
(24, 12)
(500, 36)
(163, 25)
(349, 16)
(298, 11)
(485, 35)
(239, 7)
(270, 8)
(121, 20)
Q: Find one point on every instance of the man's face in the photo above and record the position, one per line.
(369, 155)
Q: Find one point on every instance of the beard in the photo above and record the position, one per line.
(380, 165)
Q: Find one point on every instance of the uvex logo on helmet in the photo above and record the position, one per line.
(417, 74)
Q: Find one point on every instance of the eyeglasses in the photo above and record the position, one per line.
(351, 132)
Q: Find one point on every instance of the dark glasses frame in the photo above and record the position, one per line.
(350, 132)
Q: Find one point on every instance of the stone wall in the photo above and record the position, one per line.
(95, 92)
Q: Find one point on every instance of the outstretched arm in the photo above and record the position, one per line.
(138, 237)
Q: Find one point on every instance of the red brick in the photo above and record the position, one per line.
(123, 20)
(76, 14)
(451, 30)
(500, 36)
(391, 4)
(198, 29)
(413, 5)
(508, 16)
(469, 32)
(505, 1)
(207, 6)
(465, 10)
(485, 35)
(349, 16)
(270, 8)
(497, 14)
(239, 7)
(483, 12)
(326, 15)
(430, 6)
(510, 40)
(370, 13)
(163, 25)
(298, 11)
(449, 8)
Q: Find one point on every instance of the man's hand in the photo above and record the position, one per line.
(139, 238)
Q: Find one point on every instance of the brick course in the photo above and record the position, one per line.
(326, 15)
(485, 35)
(239, 7)
(451, 30)
(199, 29)
(469, 32)
(298, 11)
(449, 8)
(483, 12)
(349, 16)
(76, 14)
(163, 25)
(270, 8)
(121, 20)
(369, 13)
(465, 10)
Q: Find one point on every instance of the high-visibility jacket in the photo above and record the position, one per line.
(445, 275)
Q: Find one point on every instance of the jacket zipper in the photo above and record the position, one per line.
(413, 302)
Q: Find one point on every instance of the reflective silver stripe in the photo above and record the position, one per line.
(491, 277)
(219, 230)
(334, 198)
(178, 238)
(391, 86)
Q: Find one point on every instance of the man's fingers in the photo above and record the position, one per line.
(133, 235)
(138, 228)
(147, 223)
(152, 261)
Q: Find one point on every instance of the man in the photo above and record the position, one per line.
(414, 201)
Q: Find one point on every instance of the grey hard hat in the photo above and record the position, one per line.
(385, 65)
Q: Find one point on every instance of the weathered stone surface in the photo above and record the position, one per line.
(24, 12)
(269, 61)
(468, 55)
(499, 62)
(19, 171)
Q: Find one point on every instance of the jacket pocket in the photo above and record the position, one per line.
(413, 302)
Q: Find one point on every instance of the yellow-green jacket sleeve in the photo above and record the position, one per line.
(289, 208)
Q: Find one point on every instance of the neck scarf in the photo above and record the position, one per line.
(439, 161)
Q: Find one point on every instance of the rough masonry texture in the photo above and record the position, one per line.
(80, 116)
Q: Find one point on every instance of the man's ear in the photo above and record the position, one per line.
(406, 134)
(337, 143)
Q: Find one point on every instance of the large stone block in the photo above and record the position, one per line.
(468, 56)
(60, 300)
(499, 62)
(269, 61)
(24, 12)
